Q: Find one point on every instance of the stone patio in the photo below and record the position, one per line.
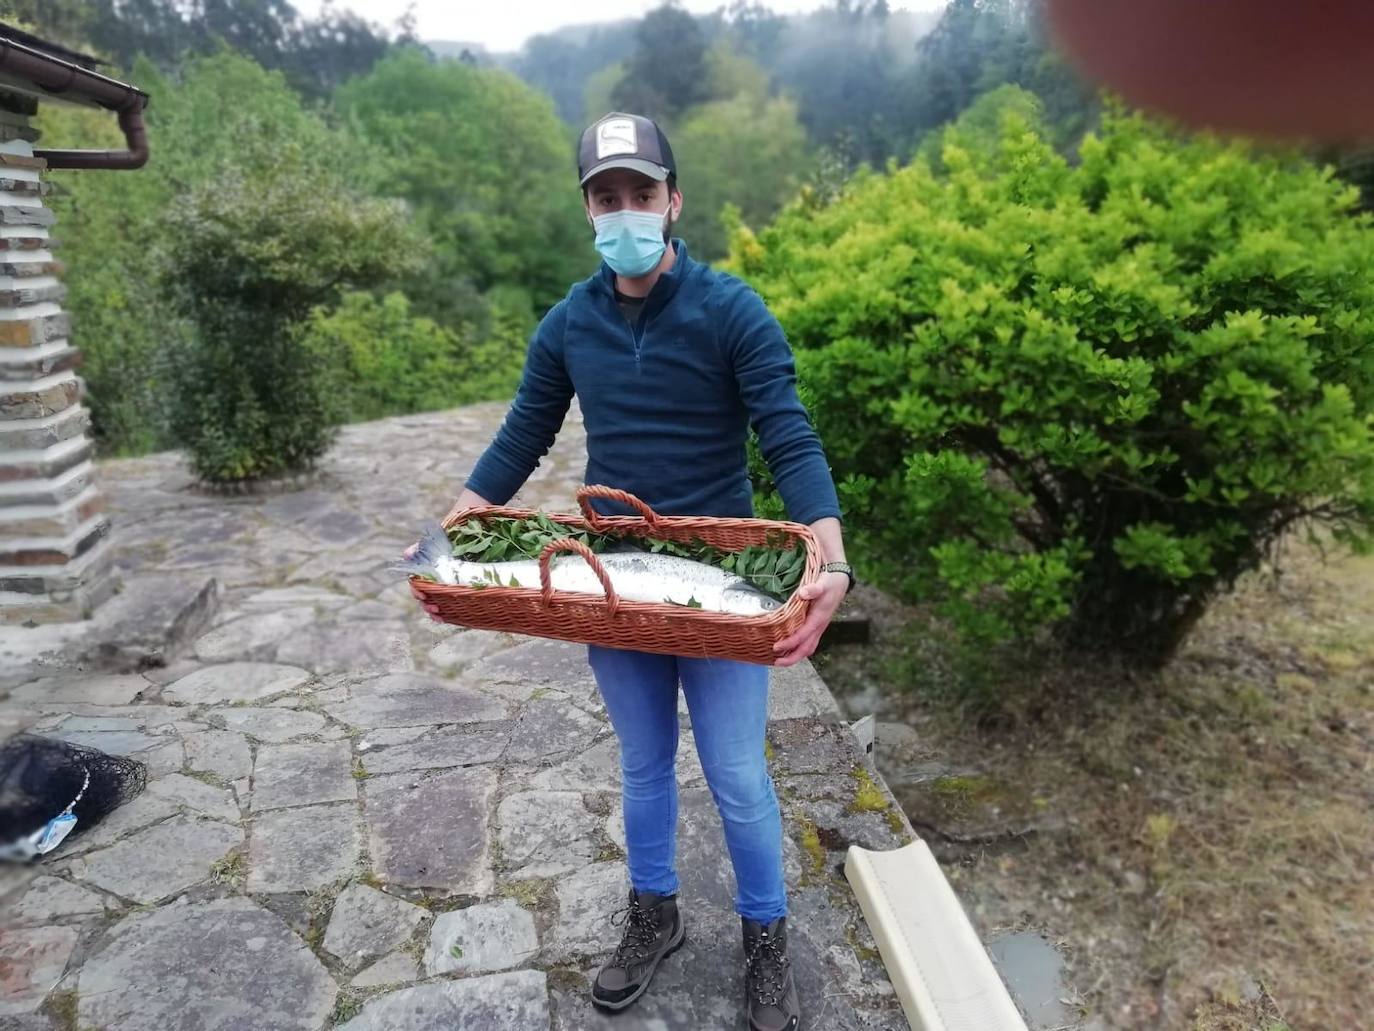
(356, 818)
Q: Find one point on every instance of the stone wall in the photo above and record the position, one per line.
(54, 558)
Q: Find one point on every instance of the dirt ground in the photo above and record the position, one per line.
(1199, 845)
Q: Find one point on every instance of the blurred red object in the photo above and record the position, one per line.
(1283, 69)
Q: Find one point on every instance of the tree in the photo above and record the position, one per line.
(754, 29)
(841, 64)
(666, 74)
(748, 152)
(978, 45)
(327, 51)
(564, 63)
(249, 258)
(1084, 397)
(487, 168)
(314, 54)
(597, 96)
(730, 73)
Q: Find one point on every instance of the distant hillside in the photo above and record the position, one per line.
(562, 61)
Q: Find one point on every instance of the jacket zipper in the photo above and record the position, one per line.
(637, 336)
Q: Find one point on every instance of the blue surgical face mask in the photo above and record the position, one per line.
(632, 242)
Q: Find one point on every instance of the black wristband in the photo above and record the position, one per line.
(840, 567)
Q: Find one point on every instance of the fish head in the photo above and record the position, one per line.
(747, 599)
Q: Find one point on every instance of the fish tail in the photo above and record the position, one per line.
(432, 546)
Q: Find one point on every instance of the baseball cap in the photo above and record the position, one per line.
(618, 140)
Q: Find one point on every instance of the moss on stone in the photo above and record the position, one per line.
(62, 1007)
(970, 788)
(609, 851)
(528, 893)
(204, 777)
(868, 797)
(810, 841)
(894, 822)
(346, 1006)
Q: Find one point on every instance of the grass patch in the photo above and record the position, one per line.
(230, 870)
(809, 838)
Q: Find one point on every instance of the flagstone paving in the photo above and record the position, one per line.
(356, 818)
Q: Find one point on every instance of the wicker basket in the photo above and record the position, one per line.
(610, 621)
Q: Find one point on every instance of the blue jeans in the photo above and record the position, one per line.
(728, 704)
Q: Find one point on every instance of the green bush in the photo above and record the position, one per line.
(380, 359)
(1084, 397)
(113, 228)
(249, 260)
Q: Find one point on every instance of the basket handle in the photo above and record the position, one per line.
(568, 544)
(594, 518)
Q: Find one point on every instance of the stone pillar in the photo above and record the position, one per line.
(54, 559)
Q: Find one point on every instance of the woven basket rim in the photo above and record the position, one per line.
(640, 526)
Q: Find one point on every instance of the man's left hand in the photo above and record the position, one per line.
(825, 596)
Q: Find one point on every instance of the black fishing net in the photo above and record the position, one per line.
(40, 777)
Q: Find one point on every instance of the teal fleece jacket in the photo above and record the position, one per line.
(667, 403)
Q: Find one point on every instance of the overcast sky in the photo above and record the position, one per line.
(506, 24)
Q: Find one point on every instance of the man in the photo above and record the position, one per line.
(671, 363)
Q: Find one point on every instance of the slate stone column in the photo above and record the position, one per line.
(55, 563)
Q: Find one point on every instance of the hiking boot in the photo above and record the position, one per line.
(653, 929)
(769, 991)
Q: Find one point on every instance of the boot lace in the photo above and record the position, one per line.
(640, 932)
(767, 969)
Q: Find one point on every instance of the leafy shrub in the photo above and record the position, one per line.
(381, 359)
(249, 260)
(1084, 397)
(113, 229)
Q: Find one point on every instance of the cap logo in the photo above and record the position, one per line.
(616, 136)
